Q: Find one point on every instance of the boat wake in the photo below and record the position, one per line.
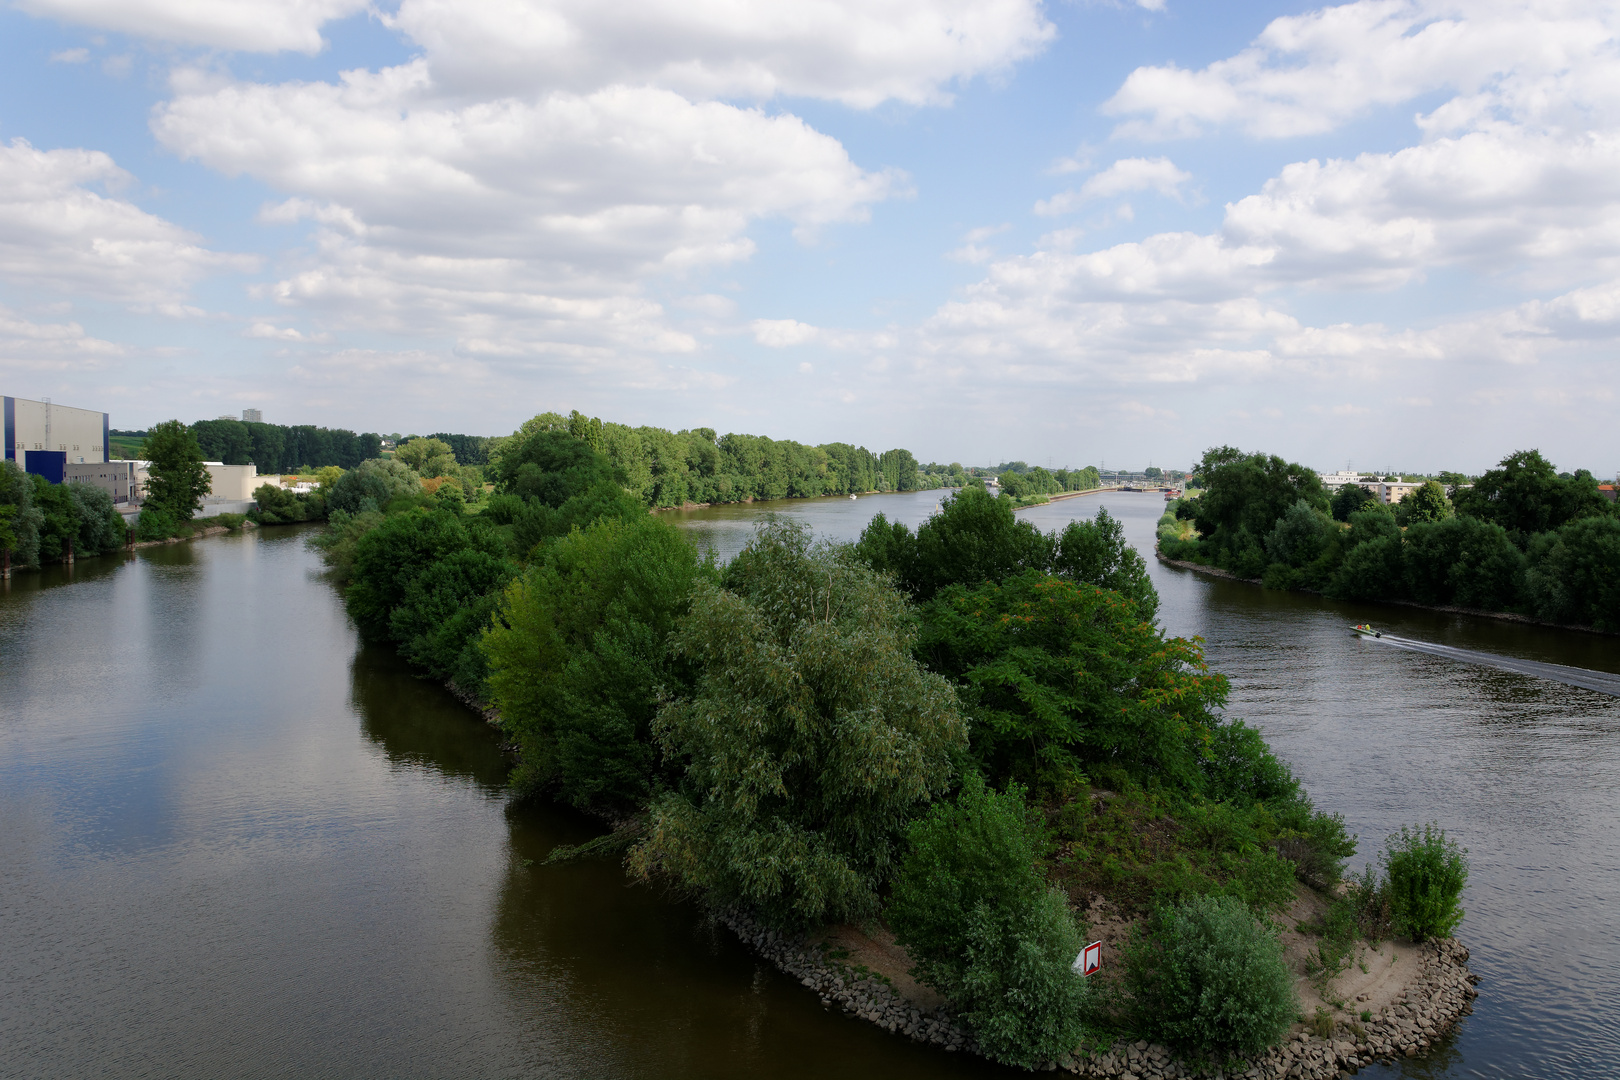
(1601, 681)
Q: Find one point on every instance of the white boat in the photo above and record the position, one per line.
(852, 496)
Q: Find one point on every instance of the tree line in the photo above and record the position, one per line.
(278, 448)
(1522, 538)
(955, 728)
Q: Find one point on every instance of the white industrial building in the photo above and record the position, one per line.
(44, 438)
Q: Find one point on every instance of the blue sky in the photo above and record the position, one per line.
(1382, 232)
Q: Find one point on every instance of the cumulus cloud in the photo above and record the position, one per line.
(782, 333)
(52, 346)
(1122, 177)
(264, 26)
(513, 221)
(1307, 74)
(58, 233)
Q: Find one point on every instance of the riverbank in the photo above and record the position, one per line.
(1059, 497)
(1447, 609)
(206, 530)
(1413, 995)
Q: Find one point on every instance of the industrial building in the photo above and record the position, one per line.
(45, 438)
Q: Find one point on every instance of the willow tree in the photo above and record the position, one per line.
(810, 741)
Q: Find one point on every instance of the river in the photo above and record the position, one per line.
(234, 842)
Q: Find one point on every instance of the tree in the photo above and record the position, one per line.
(579, 654)
(810, 741)
(1351, 498)
(1300, 535)
(1062, 678)
(1246, 494)
(1525, 495)
(177, 479)
(977, 916)
(20, 520)
(1574, 574)
(1096, 552)
(1153, 472)
(373, 485)
(1427, 503)
(429, 457)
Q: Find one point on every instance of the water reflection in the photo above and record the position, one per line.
(419, 723)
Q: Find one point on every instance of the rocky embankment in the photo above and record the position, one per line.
(1441, 993)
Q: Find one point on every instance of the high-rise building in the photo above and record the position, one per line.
(45, 438)
(252, 416)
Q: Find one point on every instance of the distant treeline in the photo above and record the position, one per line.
(277, 448)
(670, 468)
(1523, 537)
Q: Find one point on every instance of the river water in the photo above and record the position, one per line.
(234, 842)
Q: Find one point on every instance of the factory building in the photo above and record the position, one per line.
(44, 438)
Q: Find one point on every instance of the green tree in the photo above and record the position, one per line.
(177, 480)
(1061, 677)
(1463, 561)
(19, 543)
(810, 741)
(1097, 552)
(1351, 498)
(1573, 574)
(1427, 873)
(1526, 495)
(373, 485)
(976, 915)
(429, 457)
(1245, 495)
(1300, 535)
(579, 655)
(1427, 503)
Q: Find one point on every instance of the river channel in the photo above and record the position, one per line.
(234, 842)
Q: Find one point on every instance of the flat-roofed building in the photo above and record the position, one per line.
(44, 438)
(252, 416)
(120, 479)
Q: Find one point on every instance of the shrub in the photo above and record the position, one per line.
(1207, 978)
(1427, 873)
(973, 909)
(155, 523)
(811, 740)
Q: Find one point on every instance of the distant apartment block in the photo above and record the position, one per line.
(252, 416)
(45, 438)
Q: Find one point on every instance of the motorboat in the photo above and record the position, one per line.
(1365, 630)
(852, 496)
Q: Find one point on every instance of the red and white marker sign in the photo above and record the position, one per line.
(1090, 959)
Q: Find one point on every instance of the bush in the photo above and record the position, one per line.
(1427, 873)
(155, 523)
(1207, 978)
(811, 741)
(974, 911)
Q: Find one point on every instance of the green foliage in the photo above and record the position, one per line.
(1427, 503)
(1061, 677)
(1526, 495)
(278, 449)
(1462, 561)
(1573, 574)
(155, 523)
(1209, 979)
(278, 506)
(341, 540)
(1374, 570)
(389, 557)
(811, 739)
(20, 529)
(427, 457)
(1246, 495)
(1097, 553)
(445, 607)
(579, 655)
(975, 913)
(373, 486)
(177, 479)
(1300, 535)
(1351, 499)
(1426, 874)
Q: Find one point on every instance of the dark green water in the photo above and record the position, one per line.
(232, 842)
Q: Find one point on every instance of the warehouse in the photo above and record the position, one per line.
(44, 438)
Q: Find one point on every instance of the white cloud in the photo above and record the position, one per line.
(1307, 74)
(860, 52)
(782, 333)
(52, 346)
(971, 253)
(514, 225)
(1126, 175)
(246, 25)
(56, 233)
(70, 56)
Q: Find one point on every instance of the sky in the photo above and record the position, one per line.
(1383, 234)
